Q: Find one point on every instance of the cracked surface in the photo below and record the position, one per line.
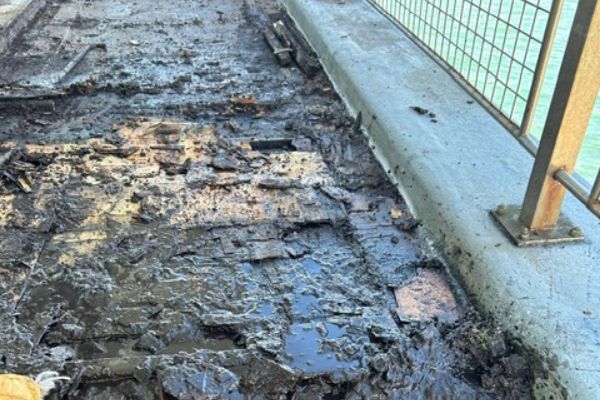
(181, 218)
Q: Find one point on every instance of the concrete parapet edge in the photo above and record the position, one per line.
(452, 173)
(19, 19)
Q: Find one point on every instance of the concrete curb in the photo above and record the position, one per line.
(15, 18)
(452, 173)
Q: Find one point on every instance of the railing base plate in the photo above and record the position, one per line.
(508, 218)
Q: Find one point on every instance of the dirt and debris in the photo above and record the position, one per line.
(425, 112)
(185, 215)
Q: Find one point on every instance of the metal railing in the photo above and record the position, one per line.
(499, 50)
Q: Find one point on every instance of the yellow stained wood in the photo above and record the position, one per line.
(18, 387)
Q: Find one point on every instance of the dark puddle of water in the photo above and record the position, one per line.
(311, 266)
(265, 310)
(305, 304)
(305, 348)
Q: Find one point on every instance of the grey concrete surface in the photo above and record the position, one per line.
(14, 17)
(453, 172)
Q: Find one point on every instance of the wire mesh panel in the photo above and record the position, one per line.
(493, 45)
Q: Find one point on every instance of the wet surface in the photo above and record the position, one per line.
(182, 218)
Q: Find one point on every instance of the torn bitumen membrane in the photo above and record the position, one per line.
(183, 218)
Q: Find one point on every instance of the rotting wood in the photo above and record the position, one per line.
(30, 94)
(281, 53)
(76, 60)
(169, 147)
(307, 64)
(28, 104)
(6, 157)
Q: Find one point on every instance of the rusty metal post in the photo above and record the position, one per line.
(539, 220)
(594, 200)
(568, 118)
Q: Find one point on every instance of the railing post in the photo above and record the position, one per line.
(594, 200)
(541, 66)
(568, 118)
